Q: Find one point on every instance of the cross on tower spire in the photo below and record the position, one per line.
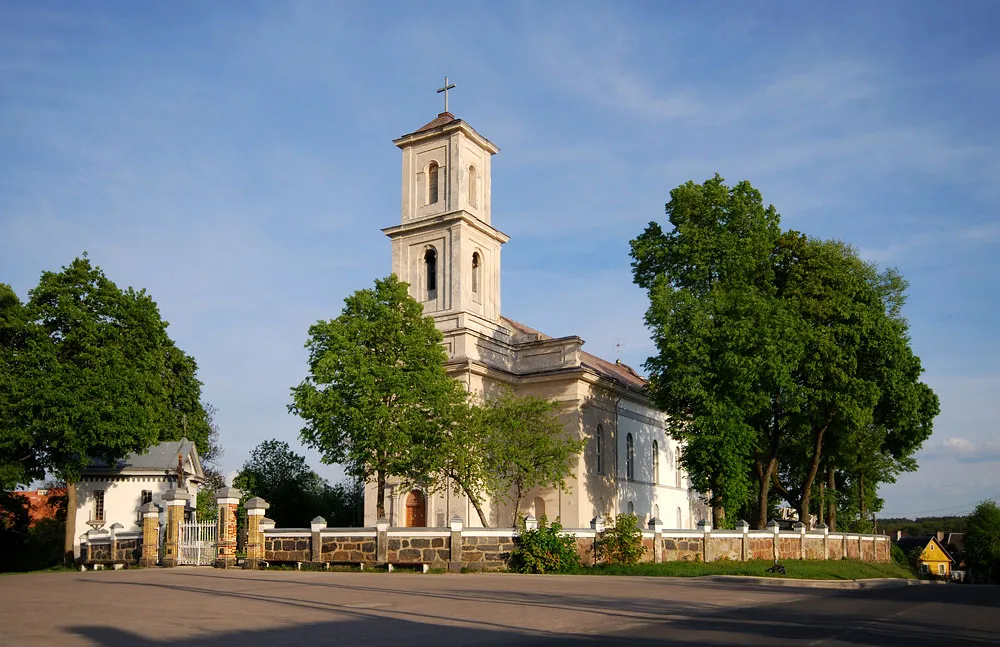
(445, 90)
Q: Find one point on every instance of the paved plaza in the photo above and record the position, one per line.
(205, 607)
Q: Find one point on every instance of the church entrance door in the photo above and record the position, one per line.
(416, 509)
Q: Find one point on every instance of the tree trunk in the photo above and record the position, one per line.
(517, 503)
(831, 488)
(822, 500)
(813, 470)
(380, 501)
(473, 499)
(718, 510)
(764, 475)
(71, 503)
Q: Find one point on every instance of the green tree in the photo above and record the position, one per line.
(377, 399)
(501, 446)
(858, 401)
(777, 354)
(721, 343)
(88, 371)
(982, 540)
(524, 446)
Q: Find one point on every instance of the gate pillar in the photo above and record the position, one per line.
(255, 535)
(175, 501)
(227, 498)
(150, 534)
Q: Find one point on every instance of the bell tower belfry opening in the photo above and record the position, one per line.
(445, 246)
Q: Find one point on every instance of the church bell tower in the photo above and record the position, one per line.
(445, 246)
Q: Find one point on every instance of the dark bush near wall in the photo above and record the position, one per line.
(544, 550)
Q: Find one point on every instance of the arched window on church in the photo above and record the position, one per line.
(473, 185)
(629, 458)
(430, 264)
(432, 183)
(598, 442)
(680, 518)
(475, 272)
(656, 462)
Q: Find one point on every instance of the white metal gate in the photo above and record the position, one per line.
(197, 543)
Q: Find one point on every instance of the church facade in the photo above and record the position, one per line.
(448, 251)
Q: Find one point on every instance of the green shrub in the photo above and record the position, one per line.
(544, 550)
(621, 543)
(898, 555)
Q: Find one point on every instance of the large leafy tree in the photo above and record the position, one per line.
(377, 398)
(982, 540)
(777, 354)
(716, 330)
(88, 371)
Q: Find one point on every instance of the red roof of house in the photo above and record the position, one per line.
(41, 503)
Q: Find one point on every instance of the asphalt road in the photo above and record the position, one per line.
(204, 607)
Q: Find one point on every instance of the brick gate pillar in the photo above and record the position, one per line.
(255, 536)
(175, 500)
(150, 534)
(227, 499)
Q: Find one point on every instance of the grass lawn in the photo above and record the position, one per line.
(798, 569)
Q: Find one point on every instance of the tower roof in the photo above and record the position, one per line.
(444, 122)
(441, 120)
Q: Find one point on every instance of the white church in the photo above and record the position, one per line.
(447, 249)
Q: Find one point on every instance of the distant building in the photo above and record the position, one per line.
(933, 560)
(42, 503)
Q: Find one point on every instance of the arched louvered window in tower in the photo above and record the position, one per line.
(473, 186)
(432, 183)
(430, 265)
(476, 270)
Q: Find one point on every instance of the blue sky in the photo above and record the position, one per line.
(235, 159)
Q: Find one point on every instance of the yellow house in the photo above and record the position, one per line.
(934, 559)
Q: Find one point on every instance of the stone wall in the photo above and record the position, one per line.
(489, 549)
(288, 548)
(347, 548)
(435, 551)
(486, 553)
(126, 549)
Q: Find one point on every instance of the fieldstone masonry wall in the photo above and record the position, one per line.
(456, 548)
(488, 549)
